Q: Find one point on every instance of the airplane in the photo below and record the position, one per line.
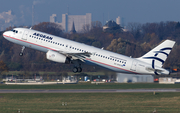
(63, 50)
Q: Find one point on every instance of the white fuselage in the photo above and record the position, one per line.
(45, 42)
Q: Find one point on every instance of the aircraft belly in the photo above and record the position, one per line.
(37, 48)
(107, 66)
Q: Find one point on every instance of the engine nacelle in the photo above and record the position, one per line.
(57, 57)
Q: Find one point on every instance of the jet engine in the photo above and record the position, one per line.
(57, 57)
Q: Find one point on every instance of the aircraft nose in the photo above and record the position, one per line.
(5, 34)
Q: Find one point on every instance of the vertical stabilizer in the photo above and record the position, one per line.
(158, 55)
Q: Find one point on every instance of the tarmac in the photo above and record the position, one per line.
(86, 90)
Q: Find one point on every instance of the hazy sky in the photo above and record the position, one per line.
(141, 11)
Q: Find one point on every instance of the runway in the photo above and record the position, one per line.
(85, 90)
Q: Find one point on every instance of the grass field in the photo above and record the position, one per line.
(42, 72)
(93, 86)
(90, 102)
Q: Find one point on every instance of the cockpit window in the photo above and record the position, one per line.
(15, 31)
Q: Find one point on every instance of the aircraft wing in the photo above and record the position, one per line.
(74, 56)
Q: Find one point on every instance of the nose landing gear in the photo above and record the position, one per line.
(21, 53)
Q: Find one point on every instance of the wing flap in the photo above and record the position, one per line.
(74, 56)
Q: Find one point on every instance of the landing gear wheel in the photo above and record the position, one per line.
(75, 69)
(79, 69)
(20, 54)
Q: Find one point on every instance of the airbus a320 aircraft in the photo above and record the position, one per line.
(62, 50)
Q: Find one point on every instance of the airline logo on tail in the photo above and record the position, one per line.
(156, 58)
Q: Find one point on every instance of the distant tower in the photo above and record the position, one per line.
(32, 14)
(53, 18)
(118, 20)
(68, 10)
(73, 29)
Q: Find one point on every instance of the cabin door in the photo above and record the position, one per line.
(134, 65)
(25, 35)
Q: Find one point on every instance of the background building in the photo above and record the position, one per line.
(79, 21)
(7, 19)
(128, 78)
(53, 18)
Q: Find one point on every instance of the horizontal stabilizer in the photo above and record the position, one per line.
(158, 71)
(154, 70)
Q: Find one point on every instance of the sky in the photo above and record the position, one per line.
(138, 11)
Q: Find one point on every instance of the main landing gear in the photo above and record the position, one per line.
(77, 69)
(21, 53)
